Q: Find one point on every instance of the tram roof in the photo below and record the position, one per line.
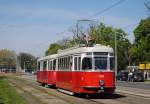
(78, 50)
(48, 57)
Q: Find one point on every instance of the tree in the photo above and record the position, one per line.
(53, 48)
(7, 59)
(101, 34)
(82, 28)
(27, 61)
(141, 48)
(106, 35)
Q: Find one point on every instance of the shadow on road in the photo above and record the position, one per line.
(98, 96)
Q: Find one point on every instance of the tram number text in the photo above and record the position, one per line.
(101, 76)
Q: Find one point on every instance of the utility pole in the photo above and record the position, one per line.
(24, 66)
(17, 68)
(77, 26)
(116, 54)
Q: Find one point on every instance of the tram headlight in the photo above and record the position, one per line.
(101, 82)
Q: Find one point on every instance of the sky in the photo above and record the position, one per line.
(32, 25)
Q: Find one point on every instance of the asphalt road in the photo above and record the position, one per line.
(139, 85)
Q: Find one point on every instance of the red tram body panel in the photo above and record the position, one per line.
(64, 80)
(47, 77)
(42, 76)
(86, 82)
(51, 78)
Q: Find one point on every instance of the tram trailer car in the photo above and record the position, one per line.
(46, 74)
(87, 70)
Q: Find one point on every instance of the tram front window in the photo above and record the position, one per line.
(87, 63)
(100, 63)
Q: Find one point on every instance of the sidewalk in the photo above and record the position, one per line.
(148, 80)
(133, 91)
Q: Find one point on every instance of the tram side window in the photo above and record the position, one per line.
(64, 63)
(87, 63)
(50, 65)
(70, 63)
(38, 66)
(67, 63)
(58, 63)
(79, 63)
(75, 63)
(54, 64)
(44, 65)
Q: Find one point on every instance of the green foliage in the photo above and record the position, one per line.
(141, 48)
(8, 95)
(101, 34)
(53, 48)
(106, 35)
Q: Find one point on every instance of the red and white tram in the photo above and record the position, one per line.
(86, 70)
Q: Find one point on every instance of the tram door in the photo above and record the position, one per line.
(76, 73)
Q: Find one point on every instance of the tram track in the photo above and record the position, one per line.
(26, 94)
(67, 99)
(119, 98)
(18, 82)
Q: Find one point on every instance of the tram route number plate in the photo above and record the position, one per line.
(101, 90)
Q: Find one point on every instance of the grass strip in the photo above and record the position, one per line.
(8, 95)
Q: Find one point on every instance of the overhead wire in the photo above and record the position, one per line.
(106, 9)
(100, 12)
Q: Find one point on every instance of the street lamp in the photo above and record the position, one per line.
(116, 62)
(116, 54)
(24, 66)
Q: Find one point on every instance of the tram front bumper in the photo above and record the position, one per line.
(98, 89)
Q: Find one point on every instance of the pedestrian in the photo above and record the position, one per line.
(130, 76)
(146, 75)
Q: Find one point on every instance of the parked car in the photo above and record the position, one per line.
(122, 76)
(137, 77)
